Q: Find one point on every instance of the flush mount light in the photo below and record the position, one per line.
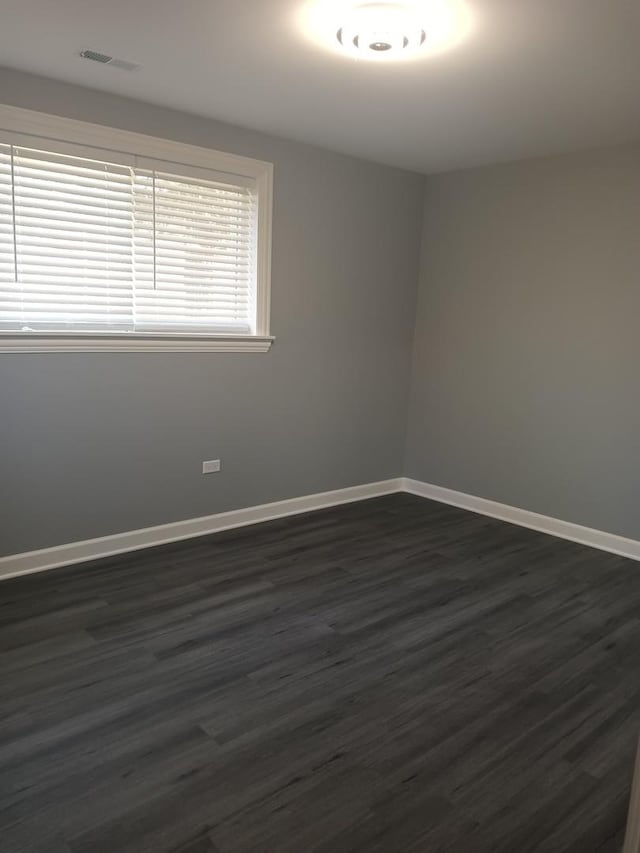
(383, 31)
(381, 28)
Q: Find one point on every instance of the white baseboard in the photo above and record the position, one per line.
(134, 540)
(522, 517)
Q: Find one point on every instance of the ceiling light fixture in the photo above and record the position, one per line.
(383, 31)
(381, 28)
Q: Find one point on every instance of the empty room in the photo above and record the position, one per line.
(319, 426)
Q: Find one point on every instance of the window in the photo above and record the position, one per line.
(136, 243)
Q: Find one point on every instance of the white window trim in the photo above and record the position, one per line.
(18, 120)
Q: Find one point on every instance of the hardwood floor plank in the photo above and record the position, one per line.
(389, 676)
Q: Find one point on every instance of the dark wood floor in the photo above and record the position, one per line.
(391, 676)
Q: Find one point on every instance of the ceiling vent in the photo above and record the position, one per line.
(105, 59)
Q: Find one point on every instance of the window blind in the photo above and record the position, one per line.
(91, 245)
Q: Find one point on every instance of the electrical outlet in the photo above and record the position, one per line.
(211, 467)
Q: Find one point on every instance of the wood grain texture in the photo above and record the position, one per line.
(391, 676)
(632, 835)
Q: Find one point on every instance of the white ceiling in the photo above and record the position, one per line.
(532, 77)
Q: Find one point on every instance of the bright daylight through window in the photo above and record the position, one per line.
(100, 244)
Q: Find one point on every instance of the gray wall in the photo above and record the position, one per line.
(525, 370)
(96, 444)
(526, 374)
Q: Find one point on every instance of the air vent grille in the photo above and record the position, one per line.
(94, 56)
(112, 61)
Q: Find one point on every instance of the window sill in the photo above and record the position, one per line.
(105, 342)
